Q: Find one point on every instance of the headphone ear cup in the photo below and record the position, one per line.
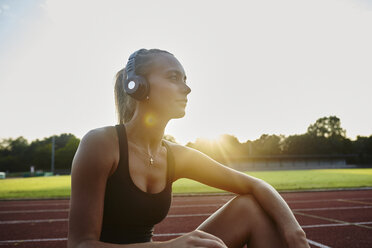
(137, 87)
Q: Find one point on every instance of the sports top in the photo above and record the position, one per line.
(129, 213)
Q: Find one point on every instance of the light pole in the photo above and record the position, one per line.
(53, 145)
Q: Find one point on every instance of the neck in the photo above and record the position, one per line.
(146, 130)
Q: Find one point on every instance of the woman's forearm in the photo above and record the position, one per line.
(96, 244)
(275, 206)
(196, 238)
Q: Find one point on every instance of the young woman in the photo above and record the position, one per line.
(122, 175)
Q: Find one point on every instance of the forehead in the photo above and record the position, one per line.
(166, 63)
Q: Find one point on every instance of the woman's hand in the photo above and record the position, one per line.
(196, 238)
(296, 239)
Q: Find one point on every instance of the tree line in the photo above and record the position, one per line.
(324, 137)
(17, 155)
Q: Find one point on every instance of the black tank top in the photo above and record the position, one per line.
(129, 213)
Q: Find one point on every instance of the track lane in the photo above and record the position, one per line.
(332, 219)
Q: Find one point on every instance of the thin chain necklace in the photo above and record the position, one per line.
(151, 159)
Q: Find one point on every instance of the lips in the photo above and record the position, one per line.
(182, 101)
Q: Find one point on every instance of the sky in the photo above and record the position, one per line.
(254, 67)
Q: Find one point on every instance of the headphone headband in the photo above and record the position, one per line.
(131, 64)
(135, 85)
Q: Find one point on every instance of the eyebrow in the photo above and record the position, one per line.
(177, 72)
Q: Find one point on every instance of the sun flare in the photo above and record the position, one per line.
(150, 119)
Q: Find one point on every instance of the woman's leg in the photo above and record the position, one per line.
(242, 221)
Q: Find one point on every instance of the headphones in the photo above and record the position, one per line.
(135, 85)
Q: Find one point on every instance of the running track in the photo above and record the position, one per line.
(330, 219)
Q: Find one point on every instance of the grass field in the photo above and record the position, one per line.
(59, 186)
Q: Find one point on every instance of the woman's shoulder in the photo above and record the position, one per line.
(101, 134)
(103, 137)
(180, 153)
(101, 144)
(178, 149)
(175, 147)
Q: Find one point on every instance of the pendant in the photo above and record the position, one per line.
(151, 161)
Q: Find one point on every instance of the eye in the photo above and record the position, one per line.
(173, 77)
(177, 78)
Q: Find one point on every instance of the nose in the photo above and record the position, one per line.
(186, 89)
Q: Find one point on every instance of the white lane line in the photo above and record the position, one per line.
(202, 198)
(340, 224)
(354, 201)
(7, 222)
(168, 234)
(196, 205)
(330, 219)
(66, 209)
(295, 201)
(34, 204)
(178, 201)
(317, 244)
(180, 206)
(327, 200)
(184, 215)
(331, 208)
(187, 215)
(288, 201)
(34, 211)
(5, 242)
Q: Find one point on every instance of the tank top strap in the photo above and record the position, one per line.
(170, 163)
(123, 147)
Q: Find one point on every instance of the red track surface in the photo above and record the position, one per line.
(330, 219)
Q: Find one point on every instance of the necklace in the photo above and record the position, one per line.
(151, 159)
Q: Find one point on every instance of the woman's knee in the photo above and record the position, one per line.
(239, 220)
(261, 227)
(247, 205)
(248, 209)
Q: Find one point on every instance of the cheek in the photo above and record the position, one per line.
(160, 98)
(163, 92)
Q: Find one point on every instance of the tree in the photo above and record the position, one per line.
(363, 147)
(221, 149)
(296, 144)
(13, 154)
(268, 145)
(65, 154)
(327, 127)
(40, 154)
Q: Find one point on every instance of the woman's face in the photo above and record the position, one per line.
(168, 89)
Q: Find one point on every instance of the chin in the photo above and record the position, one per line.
(179, 115)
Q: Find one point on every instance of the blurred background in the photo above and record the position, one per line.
(274, 83)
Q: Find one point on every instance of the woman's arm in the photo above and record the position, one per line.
(196, 238)
(277, 208)
(195, 165)
(91, 166)
(94, 161)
